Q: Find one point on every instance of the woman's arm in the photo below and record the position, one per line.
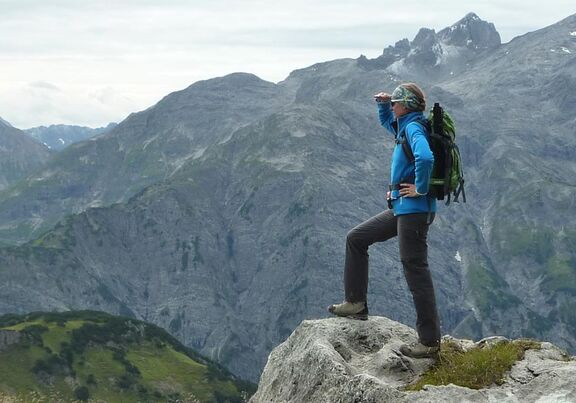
(386, 116)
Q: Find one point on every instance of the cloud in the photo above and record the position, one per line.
(109, 96)
(90, 62)
(43, 85)
(36, 104)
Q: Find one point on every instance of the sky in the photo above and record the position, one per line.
(91, 62)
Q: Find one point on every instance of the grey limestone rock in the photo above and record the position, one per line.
(342, 360)
(436, 56)
(472, 32)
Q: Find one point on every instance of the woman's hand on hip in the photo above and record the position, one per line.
(408, 190)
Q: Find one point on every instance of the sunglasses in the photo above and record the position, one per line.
(392, 103)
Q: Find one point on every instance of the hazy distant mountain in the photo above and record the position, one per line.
(147, 147)
(234, 197)
(433, 56)
(58, 137)
(19, 155)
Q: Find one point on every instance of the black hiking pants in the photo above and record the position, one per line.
(412, 232)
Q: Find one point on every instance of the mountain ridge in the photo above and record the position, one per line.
(436, 56)
(96, 172)
(57, 137)
(5, 123)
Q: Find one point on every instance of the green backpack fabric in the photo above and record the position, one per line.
(447, 176)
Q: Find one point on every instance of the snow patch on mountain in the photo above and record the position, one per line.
(445, 53)
(457, 256)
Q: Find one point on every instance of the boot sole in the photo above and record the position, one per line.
(355, 316)
(358, 316)
(410, 354)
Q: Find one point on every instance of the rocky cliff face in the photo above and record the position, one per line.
(221, 212)
(471, 32)
(19, 155)
(434, 56)
(146, 148)
(342, 360)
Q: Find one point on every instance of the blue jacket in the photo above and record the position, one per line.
(404, 171)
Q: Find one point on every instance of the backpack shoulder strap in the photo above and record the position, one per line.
(404, 142)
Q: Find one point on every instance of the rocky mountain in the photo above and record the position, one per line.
(220, 213)
(93, 356)
(432, 55)
(19, 155)
(524, 156)
(58, 137)
(146, 148)
(342, 360)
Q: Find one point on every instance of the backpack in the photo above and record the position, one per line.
(447, 176)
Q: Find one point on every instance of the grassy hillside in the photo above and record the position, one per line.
(93, 356)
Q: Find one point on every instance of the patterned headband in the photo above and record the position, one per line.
(409, 99)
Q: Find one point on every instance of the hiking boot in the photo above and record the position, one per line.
(419, 350)
(352, 310)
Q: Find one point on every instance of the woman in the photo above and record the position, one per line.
(409, 215)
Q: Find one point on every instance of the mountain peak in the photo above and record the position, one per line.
(471, 16)
(472, 32)
(425, 37)
(431, 53)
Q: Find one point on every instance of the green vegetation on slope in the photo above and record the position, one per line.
(535, 243)
(489, 290)
(90, 355)
(476, 368)
(560, 275)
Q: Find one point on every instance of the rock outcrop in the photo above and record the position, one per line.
(341, 360)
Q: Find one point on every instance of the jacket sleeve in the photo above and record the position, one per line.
(386, 116)
(423, 156)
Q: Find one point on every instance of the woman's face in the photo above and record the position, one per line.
(399, 109)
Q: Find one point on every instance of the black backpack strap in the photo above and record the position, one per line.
(404, 140)
(460, 190)
(406, 147)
